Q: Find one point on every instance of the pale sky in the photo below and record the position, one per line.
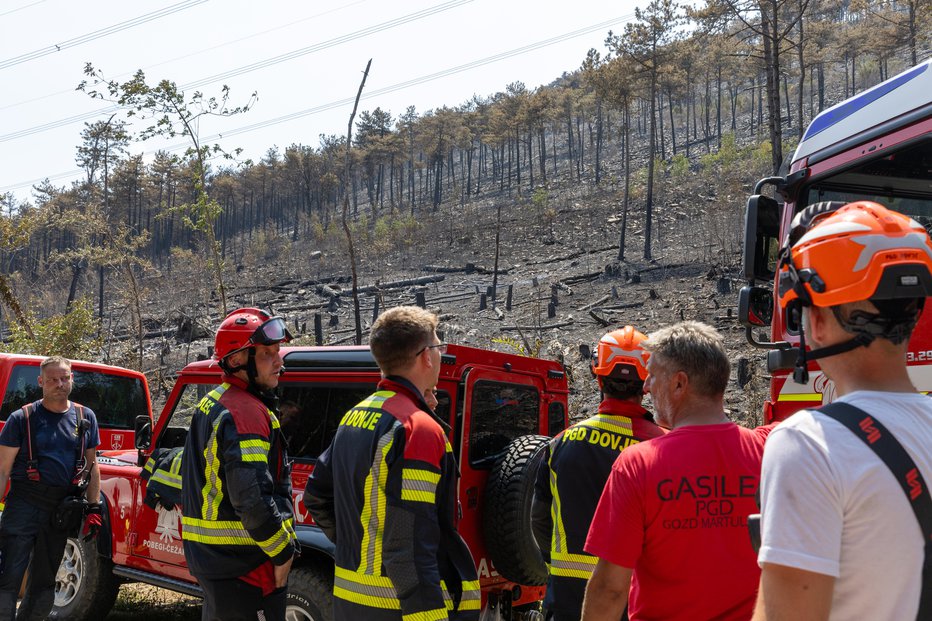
(304, 59)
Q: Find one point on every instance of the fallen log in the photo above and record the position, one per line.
(623, 306)
(599, 320)
(601, 300)
(547, 327)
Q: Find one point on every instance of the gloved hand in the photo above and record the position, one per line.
(92, 521)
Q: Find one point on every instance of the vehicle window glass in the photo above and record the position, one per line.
(898, 181)
(310, 413)
(176, 431)
(116, 400)
(500, 413)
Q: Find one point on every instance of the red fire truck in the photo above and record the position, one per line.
(874, 146)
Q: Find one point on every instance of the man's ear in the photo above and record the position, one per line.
(819, 324)
(238, 359)
(679, 381)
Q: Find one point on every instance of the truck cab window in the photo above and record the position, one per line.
(116, 399)
(310, 414)
(500, 413)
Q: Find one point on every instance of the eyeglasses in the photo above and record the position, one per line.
(271, 332)
(441, 347)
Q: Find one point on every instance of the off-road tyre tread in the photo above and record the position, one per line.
(312, 582)
(506, 518)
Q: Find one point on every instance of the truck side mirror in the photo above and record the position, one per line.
(755, 307)
(143, 429)
(761, 238)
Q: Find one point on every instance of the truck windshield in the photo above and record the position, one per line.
(901, 181)
(116, 399)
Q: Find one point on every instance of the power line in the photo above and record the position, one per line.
(422, 79)
(25, 6)
(262, 64)
(375, 93)
(86, 116)
(97, 34)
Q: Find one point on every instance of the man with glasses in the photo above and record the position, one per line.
(385, 490)
(239, 538)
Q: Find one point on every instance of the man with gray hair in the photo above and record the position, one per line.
(671, 526)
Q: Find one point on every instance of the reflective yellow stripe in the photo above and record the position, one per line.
(615, 424)
(232, 533)
(375, 400)
(217, 392)
(472, 595)
(218, 532)
(372, 517)
(277, 542)
(419, 485)
(254, 450)
(438, 614)
(800, 396)
(166, 478)
(571, 565)
(558, 537)
(212, 493)
(365, 589)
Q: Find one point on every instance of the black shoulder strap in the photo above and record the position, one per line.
(904, 469)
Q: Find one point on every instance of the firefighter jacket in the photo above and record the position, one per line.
(163, 475)
(236, 486)
(385, 493)
(569, 484)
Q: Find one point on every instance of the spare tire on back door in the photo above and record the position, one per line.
(506, 514)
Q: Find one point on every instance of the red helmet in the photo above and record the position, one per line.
(248, 327)
(859, 251)
(620, 355)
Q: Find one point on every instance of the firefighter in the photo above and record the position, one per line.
(385, 490)
(841, 539)
(577, 464)
(239, 539)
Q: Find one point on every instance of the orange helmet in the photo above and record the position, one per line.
(621, 356)
(837, 254)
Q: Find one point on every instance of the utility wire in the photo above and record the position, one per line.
(25, 6)
(420, 80)
(381, 91)
(97, 34)
(29, 131)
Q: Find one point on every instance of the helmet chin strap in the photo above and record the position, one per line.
(250, 367)
(801, 369)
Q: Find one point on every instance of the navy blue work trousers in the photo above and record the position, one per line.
(27, 530)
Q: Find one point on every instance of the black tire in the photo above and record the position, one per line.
(85, 586)
(310, 593)
(506, 514)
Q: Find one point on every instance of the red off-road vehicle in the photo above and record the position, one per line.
(492, 402)
(118, 396)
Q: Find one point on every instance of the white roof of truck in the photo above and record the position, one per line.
(908, 91)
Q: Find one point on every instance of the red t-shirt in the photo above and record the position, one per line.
(675, 510)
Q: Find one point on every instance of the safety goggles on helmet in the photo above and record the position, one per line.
(840, 253)
(270, 332)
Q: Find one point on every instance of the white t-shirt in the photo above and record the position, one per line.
(831, 506)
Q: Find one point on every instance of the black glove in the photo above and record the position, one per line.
(93, 520)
